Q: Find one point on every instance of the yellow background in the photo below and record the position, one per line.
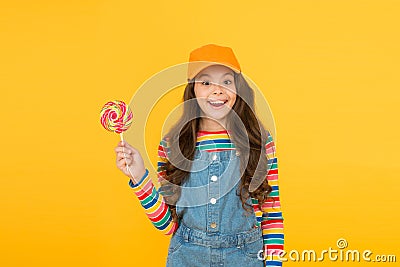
(329, 70)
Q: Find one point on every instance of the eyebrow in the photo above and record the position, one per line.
(205, 74)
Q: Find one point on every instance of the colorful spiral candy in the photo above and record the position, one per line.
(116, 116)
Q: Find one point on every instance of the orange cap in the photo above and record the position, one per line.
(211, 54)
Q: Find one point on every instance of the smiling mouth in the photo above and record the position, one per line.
(217, 103)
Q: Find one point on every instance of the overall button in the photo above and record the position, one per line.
(213, 225)
(214, 178)
(215, 157)
(213, 201)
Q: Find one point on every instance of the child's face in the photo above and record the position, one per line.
(215, 91)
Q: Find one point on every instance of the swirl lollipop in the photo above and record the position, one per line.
(116, 116)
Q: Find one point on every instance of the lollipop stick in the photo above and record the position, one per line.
(127, 166)
(122, 140)
(122, 137)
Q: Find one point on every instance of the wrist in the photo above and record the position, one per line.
(142, 176)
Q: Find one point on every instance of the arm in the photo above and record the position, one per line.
(272, 219)
(151, 200)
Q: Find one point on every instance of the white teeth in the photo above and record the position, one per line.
(217, 102)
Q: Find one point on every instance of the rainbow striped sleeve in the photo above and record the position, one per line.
(272, 219)
(152, 201)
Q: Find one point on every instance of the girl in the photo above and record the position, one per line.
(217, 167)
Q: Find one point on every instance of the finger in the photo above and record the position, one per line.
(129, 162)
(121, 147)
(120, 160)
(120, 144)
(128, 146)
(123, 161)
(123, 150)
(120, 156)
(124, 155)
(121, 165)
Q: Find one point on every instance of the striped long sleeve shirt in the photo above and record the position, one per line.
(269, 214)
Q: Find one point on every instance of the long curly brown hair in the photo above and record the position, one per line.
(251, 137)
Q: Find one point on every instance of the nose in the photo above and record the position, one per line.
(217, 89)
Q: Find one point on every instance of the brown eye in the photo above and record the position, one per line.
(227, 82)
(205, 83)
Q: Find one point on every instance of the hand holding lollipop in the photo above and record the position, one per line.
(116, 116)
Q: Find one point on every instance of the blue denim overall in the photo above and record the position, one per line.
(214, 229)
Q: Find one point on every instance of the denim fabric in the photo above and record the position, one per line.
(214, 229)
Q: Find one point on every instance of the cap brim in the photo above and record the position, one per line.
(195, 67)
